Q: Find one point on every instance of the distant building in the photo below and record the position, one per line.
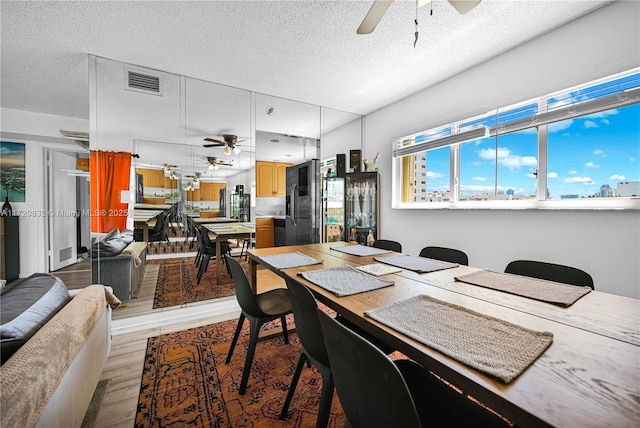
(569, 196)
(606, 191)
(510, 192)
(628, 188)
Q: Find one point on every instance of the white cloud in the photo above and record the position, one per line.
(506, 158)
(587, 181)
(560, 126)
(476, 188)
(552, 175)
(591, 165)
(590, 124)
(601, 114)
(479, 179)
(632, 159)
(599, 152)
(616, 177)
(572, 172)
(431, 174)
(531, 175)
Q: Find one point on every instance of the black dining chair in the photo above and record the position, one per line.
(258, 309)
(550, 272)
(207, 250)
(377, 392)
(450, 255)
(159, 231)
(386, 244)
(313, 350)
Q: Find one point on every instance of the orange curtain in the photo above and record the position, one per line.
(110, 174)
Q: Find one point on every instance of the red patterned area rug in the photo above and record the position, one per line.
(185, 382)
(178, 284)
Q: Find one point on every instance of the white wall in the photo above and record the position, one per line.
(604, 243)
(39, 132)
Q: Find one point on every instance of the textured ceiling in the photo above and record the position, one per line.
(303, 50)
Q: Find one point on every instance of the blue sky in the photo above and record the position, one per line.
(583, 154)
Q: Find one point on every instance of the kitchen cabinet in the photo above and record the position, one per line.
(264, 232)
(211, 191)
(271, 178)
(152, 177)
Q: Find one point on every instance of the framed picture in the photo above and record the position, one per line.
(12, 171)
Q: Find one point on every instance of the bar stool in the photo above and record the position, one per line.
(247, 243)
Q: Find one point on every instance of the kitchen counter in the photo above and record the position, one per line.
(274, 216)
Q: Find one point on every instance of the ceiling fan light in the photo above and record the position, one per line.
(215, 167)
(227, 150)
(211, 167)
(236, 150)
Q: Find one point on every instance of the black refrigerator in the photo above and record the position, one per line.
(303, 204)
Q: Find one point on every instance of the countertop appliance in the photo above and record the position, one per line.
(302, 204)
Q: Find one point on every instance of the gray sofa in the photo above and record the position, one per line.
(119, 262)
(55, 345)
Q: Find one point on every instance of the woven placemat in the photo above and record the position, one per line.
(533, 288)
(361, 250)
(344, 280)
(493, 346)
(416, 264)
(289, 260)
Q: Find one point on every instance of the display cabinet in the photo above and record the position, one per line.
(239, 207)
(362, 207)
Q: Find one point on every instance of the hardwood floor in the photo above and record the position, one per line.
(125, 363)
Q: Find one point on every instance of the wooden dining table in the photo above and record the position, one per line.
(588, 377)
(141, 219)
(226, 231)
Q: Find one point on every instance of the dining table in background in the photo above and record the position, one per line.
(221, 231)
(141, 219)
(588, 377)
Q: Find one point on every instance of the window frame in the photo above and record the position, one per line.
(407, 145)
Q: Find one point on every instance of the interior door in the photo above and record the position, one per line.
(62, 213)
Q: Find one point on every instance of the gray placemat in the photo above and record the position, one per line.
(344, 280)
(289, 260)
(415, 263)
(491, 345)
(533, 288)
(361, 250)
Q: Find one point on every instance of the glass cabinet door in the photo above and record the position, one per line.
(362, 207)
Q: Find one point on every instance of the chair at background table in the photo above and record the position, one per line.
(258, 309)
(207, 250)
(159, 231)
(247, 244)
(550, 272)
(450, 255)
(386, 244)
(377, 392)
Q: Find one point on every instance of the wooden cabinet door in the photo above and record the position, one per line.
(265, 177)
(264, 232)
(216, 190)
(280, 185)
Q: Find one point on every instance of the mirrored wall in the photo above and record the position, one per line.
(195, 146)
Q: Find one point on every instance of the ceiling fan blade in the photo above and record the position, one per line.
(464, 6)
(374, 16)
(213, 140)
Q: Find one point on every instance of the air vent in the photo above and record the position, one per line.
(65, 254)
(142, 82)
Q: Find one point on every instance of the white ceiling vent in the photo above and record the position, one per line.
(142, 82)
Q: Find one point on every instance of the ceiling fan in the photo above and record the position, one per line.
(214, 163)
(379, 8)
(229, 142)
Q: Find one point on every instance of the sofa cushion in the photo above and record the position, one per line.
(26, 306)
(110, 245)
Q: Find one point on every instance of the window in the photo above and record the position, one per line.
(583, 144)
